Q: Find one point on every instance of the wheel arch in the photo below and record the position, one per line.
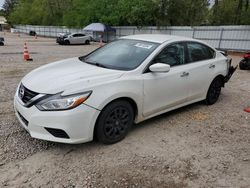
(222, 78)
(128, 99)
(67, 41)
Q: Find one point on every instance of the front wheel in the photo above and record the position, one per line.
(214, 91)
(67, 42)
(114, 122)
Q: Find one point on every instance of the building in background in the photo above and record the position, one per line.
(3, 23)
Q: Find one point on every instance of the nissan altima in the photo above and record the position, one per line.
(127, 81)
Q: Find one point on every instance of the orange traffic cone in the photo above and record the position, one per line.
(26, 55)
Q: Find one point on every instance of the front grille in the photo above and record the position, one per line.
(23, 119)
(57, 133)
(25, 94)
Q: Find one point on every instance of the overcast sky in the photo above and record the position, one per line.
(1, 3)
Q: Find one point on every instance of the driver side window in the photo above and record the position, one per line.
(172, 55)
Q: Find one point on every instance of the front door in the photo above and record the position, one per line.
(163, 91)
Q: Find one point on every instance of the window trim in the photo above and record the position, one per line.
(75, 35)
(146, 69)
(187, 61)
(81, 35)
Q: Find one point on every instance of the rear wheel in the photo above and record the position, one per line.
(114, 122)
(214, 91)
(87, 42)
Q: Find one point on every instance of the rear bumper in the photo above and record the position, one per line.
(78, 123)
(231, 70)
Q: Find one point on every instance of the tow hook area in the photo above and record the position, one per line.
(231, 70)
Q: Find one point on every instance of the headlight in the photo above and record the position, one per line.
(58, 102)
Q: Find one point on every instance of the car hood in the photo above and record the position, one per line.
(67, 75)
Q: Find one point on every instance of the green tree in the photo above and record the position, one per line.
(230, 12)
(182, 12)
(79, 13)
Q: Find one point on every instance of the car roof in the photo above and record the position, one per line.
(77, 33)
(158, 38)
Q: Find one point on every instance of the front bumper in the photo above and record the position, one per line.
(60, 40)
(77, 123)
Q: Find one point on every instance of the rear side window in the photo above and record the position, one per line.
(81, 35)
(199, 52)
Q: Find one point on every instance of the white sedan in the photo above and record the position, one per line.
(104, 93)
(74, 38)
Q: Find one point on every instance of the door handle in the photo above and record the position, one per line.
(184, 74)
(211, 66)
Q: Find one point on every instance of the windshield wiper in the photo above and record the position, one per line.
(95, 63)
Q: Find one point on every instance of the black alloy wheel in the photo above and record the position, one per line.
(214, 91)
(114, 122)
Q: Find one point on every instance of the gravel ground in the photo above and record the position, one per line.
(195, 146)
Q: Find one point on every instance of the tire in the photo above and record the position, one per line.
(214, 91)
(243, 64)
(114, 122)
(87, 42)
(67, 42)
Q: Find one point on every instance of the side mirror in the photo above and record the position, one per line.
(159, 67)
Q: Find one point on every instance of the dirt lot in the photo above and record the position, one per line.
(196, 146)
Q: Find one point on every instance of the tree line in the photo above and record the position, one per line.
(79, 13)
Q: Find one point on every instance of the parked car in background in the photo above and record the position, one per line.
(245, 62)
(1, 41)
(32, 33)
(124, 82)
(74, 38)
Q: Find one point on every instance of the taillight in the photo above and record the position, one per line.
(246, 56)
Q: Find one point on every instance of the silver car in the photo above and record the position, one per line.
(74, 38)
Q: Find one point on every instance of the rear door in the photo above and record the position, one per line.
(202, 69)
(82, 38)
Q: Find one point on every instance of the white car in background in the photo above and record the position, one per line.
(74, 38)
(127, 81)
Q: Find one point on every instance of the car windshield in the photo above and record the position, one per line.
(121, 54)
(65, 34)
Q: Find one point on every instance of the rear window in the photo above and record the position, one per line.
(199, 52)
